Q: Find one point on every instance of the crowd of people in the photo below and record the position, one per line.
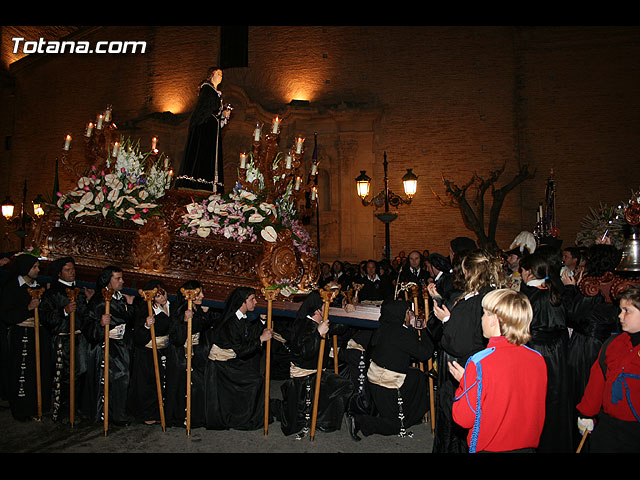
(521, 359)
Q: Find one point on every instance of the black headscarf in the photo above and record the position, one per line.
(56, 266)
(311, 303)
(440, 262)
(22, 265)
(393, 312)
(460, 244)
(235, 300)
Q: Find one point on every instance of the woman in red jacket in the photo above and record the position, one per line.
(502, 391)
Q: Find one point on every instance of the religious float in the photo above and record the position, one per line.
(124, 211)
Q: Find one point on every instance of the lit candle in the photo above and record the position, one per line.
(313, 193)
(107, 114)
(89, 129)
(99, 122)
(67, 142)
(243, 160)
(276, 125)
(298, 183)
(288, 161)
(170, 175)
(314, 169)
(154, 142)
(299, 142)
(256, 133)
(116, 146)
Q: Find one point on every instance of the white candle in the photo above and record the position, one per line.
(298, 183)
(107, 114)
(67, 142)
(99, 122)
(243, 160)
(313, 193)
(116, 146)
(89, 129)
(299, 142)
(288, 161)
(256, 133)
(276, 125)
(314, 169)
(154, 142)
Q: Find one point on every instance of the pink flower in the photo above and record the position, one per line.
(59, 194)
(86, 188)
(145, 210)
(136, 216)
(93, 177)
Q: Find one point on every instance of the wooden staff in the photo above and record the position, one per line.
(327, 295)
(190, 295)
(148, 296)
(36, 293)
(72, 294)
(432, 405)
(107, 294)
(584, 437)
(270, 294)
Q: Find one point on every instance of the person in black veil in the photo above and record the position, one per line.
(55, 310)
(143, 390)
(398, 390)
(17, 309)
(234, 385)
(202, 320)
(120, 320)
(202, 166)
(298, 391)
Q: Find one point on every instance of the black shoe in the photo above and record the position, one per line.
(353, 428)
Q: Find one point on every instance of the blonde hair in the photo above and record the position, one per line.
(481, 269)
(514, 313)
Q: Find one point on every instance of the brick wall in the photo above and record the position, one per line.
(454, 101)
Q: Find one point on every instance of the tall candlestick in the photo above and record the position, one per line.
(89, 129)
(67, 142)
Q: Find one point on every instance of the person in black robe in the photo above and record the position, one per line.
(202, 166)
(56, 309)
(202, 320)
(120, 321)
(375, 287)
(144, 392)
(18, 314)
(542, 284)
(295, 410)
(412, 271)
(397, 389)
(441, 272)
(234, 384)
(461, 337)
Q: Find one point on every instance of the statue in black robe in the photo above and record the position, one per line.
(55, 310)
(202, 166)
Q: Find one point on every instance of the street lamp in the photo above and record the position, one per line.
(7, 208)
(387, 198)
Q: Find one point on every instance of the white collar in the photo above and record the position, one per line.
(536, 282)
(438, 276)
(158, 309)
(374, 279)
(68, 284)
(117, 295)
(240, 315)
(469, 295)
(22, 281)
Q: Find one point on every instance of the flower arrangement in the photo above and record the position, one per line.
(126, 189)
(600, 222)
(245, 216)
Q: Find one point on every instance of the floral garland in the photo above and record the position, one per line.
(245, 216)
(125, 190)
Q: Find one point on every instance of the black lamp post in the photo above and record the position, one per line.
(387, 198)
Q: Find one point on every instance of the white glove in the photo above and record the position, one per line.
(585, 424)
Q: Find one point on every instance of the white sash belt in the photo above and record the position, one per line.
(221, 354)
(385, 378)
